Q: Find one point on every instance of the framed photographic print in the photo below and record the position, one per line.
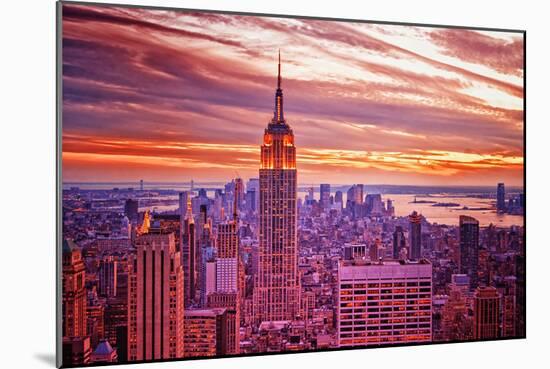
(238, 184)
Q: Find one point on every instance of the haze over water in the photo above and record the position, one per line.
(403, 203)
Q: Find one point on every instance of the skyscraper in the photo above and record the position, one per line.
(189, 254)
(74, 291)
(239, 193)
(227, 293)
(204, 333)
(276, 294)
(155, 299)
(253, 185)
(338, 197)
(501, 198)
(385, 302)
(398, 241)
(486, 313)
(182, 202)
(131, 209)
(359, 193)
(469, 248)
(415, 235)
(324, 190)
(107, 273)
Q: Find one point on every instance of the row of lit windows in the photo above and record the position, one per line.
(387, 285)
(383, 315)
(384, 291)
(385, 320)
(386, 297)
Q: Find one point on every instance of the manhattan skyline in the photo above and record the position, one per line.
(258, 264)
(369, 103)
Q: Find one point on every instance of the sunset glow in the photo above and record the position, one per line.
(171, 96)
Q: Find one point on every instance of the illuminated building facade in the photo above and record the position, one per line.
(74, 291)
(486, 313)
(276, 294)
(227, 292)
(384, 303)
(155, 300)
(204, 333)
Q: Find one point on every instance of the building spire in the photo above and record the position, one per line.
(278, 115)
(279, 74)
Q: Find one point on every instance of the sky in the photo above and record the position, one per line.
(166, 95)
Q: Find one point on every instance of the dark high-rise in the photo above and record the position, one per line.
(469, 248)
(501, 198)
(131, 209)
(189, 254)
(415, 236)
(399, 241)
(324, 190)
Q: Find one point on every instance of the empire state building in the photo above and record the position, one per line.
(277, 290)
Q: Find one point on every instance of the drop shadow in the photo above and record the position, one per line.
(46, 358)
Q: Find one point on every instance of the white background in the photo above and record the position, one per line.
(27, 172)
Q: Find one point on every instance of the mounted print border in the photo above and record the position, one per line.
(235, 184)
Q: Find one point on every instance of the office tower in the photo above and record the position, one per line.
(189, 254)
(311, 193)
(203, 242)
(250, 200)
(182, 204)
(131, 208)
(374, 204)
(254, 186)
(390, 209)
(239, 193)
(469, 248)
(501, 198)
(155, 299)
(277, 290)
(338, 197)
(324, 190)
(141, 184)
(350, 198)
(204, 333)
(230, 301)
(376, 250)
(95, 318)
(116, 325)
(415, 236)
(354, 251)
(76, 350)
(74, 291)
(308, 302)
(509, 308)
(399, 241)
(385, 302)
(359, 194)
(486, 313)
(456, 325)
(208, 271)
(227, 257)
(227, 278)
(107, 276)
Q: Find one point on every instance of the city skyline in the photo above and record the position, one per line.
(263, 266)
(370, 103)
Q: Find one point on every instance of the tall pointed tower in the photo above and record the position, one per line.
(277, 291)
